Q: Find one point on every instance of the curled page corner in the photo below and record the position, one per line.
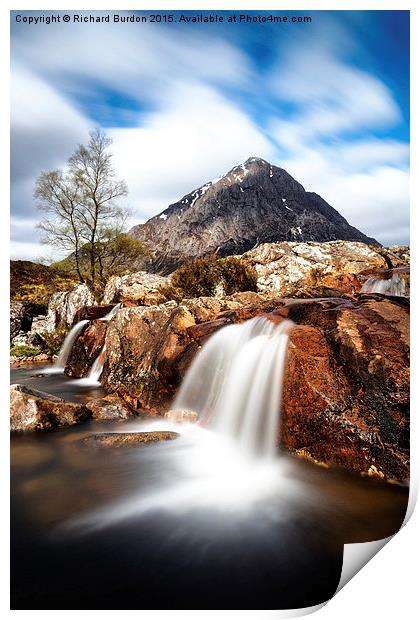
(357, 555)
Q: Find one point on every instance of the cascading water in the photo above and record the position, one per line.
(66, 347)
(112, 313)
(235, 383)
(395, 285)
(95, 372)
(227, 461)
(97, 367)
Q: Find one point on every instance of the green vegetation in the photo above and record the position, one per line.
(24, 351)
(202, 278)
(34, 283)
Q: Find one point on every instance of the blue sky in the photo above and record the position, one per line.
(327, 101)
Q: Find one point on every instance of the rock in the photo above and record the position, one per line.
(32, 410)
(62, 308)
(92, 313)
(43, 324)
(253, 203)
(144, 345)
(28, 339)
(206, 308)
(281, 267)
(109, 408)
(181, 416)
(140, 286)
(116, 440)
(40, 358)
(141, 345)
(346, 391)
(19, 319)
(86, 348)
(397, 255)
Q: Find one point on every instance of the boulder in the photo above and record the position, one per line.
(283, 266)
(19, 320)
(140, 286)
(28, 339)
(141, 344)
(86, 348)
(32, 410)
(109, 408)
(62, 308)
(346, 390)
(116, 440)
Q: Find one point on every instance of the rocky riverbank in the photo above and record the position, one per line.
(346, 389)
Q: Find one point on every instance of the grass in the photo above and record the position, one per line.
(20, 350)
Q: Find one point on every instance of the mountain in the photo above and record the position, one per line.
(254, 203)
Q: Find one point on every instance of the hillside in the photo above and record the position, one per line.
(34, 283)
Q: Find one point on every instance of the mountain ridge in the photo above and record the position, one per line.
(255, 202)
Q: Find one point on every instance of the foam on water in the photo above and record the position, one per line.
(229, 460)
(395, 285)
(235, 383)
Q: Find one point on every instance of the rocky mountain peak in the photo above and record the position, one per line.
(255, 202)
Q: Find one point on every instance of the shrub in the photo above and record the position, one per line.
(202, 278)
(21, 350)
(237, 276)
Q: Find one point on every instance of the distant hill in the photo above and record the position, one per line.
(253, 203)
(34, 283)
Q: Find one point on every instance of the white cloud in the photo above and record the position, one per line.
(365, 179)
(139, 61)
(197, 136)
(195, 132)
(333, 97)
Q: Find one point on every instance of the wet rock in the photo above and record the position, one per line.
(140, 286)
(141, 345)
(181, 416)
(116, 440)
(32, 410)
(92, 313)
(86, 348)
(346, 391)
(109, 408)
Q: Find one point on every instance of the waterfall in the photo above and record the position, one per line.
(235, 383)
(228, 461)
(392, 286)
(112, 313)
(97, 368)
(66, 347)
(95, 372)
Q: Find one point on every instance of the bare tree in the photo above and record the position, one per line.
(58, 197)
(84, 215)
